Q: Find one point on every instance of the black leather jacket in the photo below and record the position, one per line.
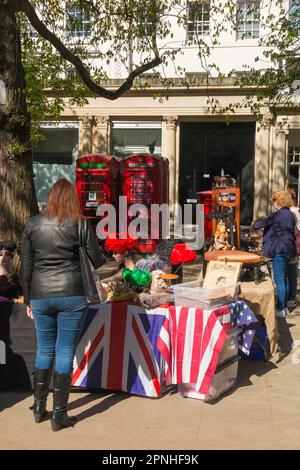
(50, 257)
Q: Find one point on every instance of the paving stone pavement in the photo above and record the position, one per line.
(262, 412)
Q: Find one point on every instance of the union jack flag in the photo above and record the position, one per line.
(117, 349)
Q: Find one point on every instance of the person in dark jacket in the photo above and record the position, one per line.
(279, 243)
(10, 288)
(53, 292)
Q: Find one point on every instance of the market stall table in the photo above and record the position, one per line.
(123, 345)
(118, 348)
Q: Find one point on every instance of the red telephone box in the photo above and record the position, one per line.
(145, 181)
(97, 182)
(205, 198)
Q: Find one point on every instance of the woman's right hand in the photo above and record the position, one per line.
(29, 312)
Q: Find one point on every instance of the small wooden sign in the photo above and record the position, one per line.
(221, 274)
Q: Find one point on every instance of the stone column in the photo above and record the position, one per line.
(169, 151)
(280, 158)
(101, 135)
(85, 135)
(261, 172)
(177, 164)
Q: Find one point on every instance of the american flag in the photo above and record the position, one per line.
(117, 349)
(191, 340)
(245, 318)
(239, 314)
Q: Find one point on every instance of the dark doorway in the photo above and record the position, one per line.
(206, 148)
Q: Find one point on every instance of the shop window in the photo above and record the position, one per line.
(58, 146)
(54, 158)
(208, 148)
(136, 137)
(248, 20)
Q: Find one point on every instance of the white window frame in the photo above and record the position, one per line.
(146, 26)
(80, 16)
(294, 161)
(137, 124)
(294, 6)
(246, 17)
(199, 27)
(294, 155)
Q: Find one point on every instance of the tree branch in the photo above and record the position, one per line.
(26, 7)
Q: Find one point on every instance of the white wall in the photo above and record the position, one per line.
(230, 54)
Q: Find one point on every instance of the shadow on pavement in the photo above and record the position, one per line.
(9, 399)
(84, 400)
(248, 368)
(110, 399)
(285, 341)
(99, 408)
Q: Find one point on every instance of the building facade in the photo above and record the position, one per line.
(199, 143)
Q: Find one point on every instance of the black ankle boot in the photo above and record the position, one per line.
(61, 390)
(42, 379)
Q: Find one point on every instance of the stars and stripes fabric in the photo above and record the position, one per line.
(243, 317)
(117, 349)
(191, 340)
(128, 348)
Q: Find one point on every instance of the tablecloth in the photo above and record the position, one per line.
(191, 340)
(117, 349)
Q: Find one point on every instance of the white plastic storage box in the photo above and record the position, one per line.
(223, 380)
(192, 294)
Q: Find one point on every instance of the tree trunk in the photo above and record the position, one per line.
(17, 192)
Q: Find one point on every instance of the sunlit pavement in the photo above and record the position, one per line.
(263, 412)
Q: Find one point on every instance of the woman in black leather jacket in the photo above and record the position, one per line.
(53, 292)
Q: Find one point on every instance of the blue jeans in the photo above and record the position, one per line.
(280, 268)
(58, 322)
(292, 279)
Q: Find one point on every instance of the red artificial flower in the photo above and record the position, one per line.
(181, 254)
(118, 245)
